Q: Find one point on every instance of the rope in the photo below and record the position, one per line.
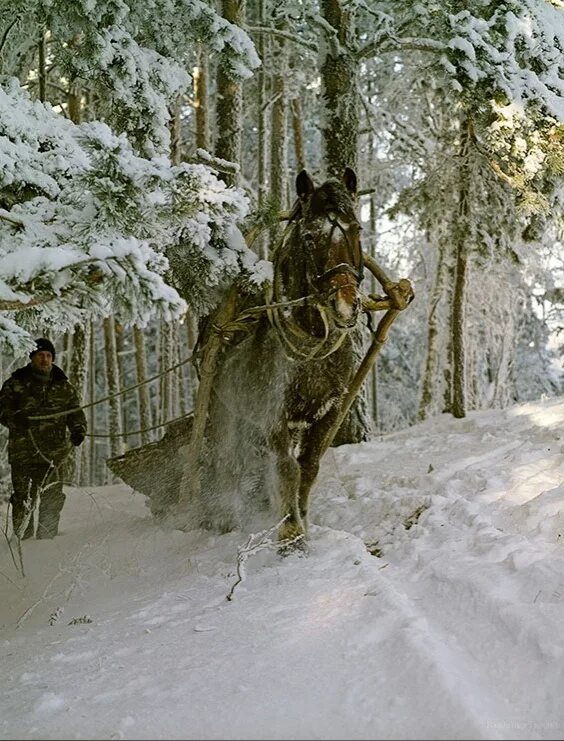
(117, 393)
(138, 432)
(281, 324)
(247, 313)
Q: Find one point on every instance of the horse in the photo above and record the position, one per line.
(278, 388)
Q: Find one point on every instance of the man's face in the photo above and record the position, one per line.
(42, 361)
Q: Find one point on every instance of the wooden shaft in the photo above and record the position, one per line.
(379, 337)
(224, 314)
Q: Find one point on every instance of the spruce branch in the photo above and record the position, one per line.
(7, 216)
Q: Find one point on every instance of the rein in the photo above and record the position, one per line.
(285, 325)
(345, 267)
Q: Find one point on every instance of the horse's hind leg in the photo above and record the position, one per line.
(287, 480)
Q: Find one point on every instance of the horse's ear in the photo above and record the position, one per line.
(304, 185)
(349, 179)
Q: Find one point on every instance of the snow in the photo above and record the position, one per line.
(451, 629)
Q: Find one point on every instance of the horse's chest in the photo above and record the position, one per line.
(316, 389)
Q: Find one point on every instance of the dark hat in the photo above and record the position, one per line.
(43, 344)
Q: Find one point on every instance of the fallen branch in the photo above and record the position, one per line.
(257, 542)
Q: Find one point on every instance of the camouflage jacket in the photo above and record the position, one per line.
(46, 439)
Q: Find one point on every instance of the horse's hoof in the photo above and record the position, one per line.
(297, 546)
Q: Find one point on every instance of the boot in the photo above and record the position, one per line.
(49, 514)
(48, 529)
(30, 530)
(19, 513)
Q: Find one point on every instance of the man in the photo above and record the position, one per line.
(38, 446)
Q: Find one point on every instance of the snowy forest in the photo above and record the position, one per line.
(141, 143)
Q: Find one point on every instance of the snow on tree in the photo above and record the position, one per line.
(86, 224)
(93, 215)
(132, 56)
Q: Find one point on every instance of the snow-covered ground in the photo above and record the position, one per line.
(430, 605)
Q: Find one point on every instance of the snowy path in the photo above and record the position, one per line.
(454, 631)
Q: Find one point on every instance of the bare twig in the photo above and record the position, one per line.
(258, 542)
(5, 531)
(283, 35)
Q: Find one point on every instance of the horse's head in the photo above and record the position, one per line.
(329, 232)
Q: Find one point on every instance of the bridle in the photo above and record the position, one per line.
(298, 343)
(343, 267)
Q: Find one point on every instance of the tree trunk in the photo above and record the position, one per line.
(176, 132)
(298, 130)
(167, 379)
(279, 133)
(459, 293)
(279, 129)
(143, 398)
(374, 288)
(262, 130)
(431, 382)
(78, 377)
(356, 426)
(112, 377)
(77, 369)
(201, 99)
(340, 117)
(229, 102)
(91, 477)
(41, 72)
(340, 93)
(191, 338)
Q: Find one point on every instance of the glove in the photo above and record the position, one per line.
(77, 437)
(20, 420)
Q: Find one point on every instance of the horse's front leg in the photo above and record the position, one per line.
(287, 482)
(309, 459)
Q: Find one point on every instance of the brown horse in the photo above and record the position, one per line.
(278, 391)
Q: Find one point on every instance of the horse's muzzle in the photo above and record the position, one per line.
(345, 306)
